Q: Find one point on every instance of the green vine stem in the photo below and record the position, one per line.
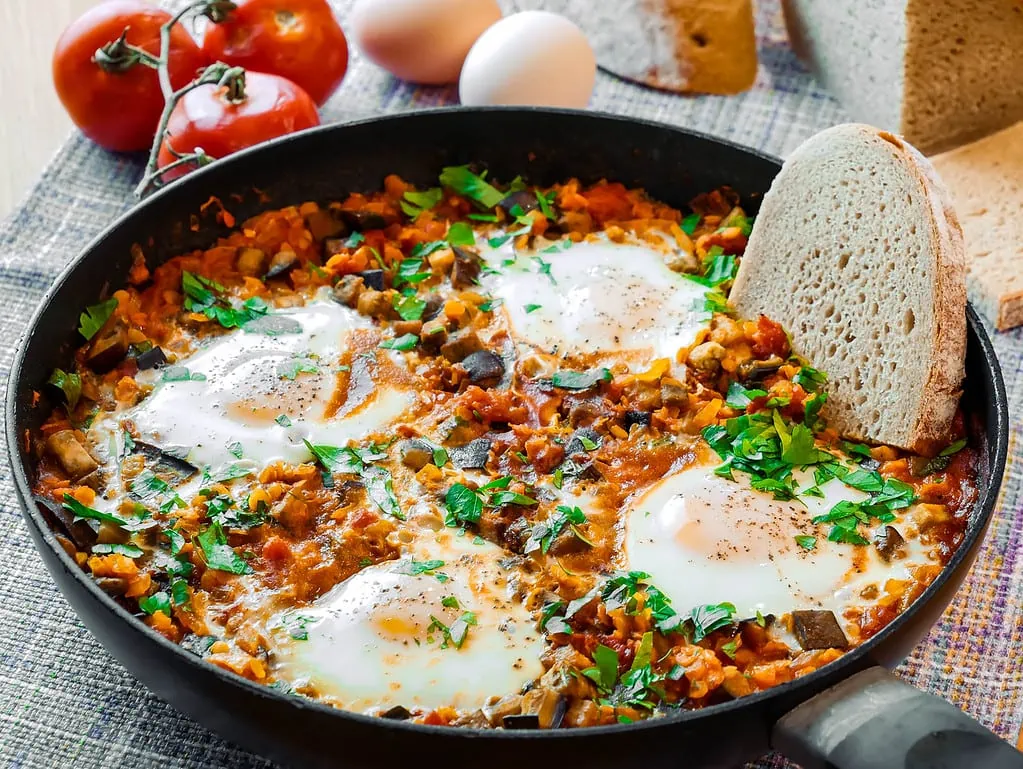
(120, 55)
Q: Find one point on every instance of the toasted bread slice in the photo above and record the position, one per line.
(857, 251)
(689, 46)
(986, 182)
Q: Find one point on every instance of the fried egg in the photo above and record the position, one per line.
(257, 396)
(704, 539)
(399, 633)
(597, 297)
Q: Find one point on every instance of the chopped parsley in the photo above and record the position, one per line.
(465, 506)
(460, 234)
(411, 270)
(219, 555)
(377, 480)
(810, 379)
(181, 374)
(132, 551)
(529, 308)
(463, 181)
(206, 296)
(543, 534)
(235, 449)
(283, 420)
(544, 268)
(718, 268)
(806, 542)
(580, 380)
(156, 602)
(414, 203)
(739, 397)
(690, 223)
(404, 343)
(70, 384)
(414, 568)
(454, 635)
(409, 306)
(84, 513)
(94, 317)
(300, 364)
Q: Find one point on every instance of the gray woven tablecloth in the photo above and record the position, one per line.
(64, 702)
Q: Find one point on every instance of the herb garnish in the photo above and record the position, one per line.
(181, 374)
(299, 364)
(84, 513)
(464, 505)
(530, 308)
(460, 234)
(377, 480)
(454, 635)
(404, 343)
(95, 316)
(580, 380)
(476, 188)
(414, 203)
(543, 534)
(690, 223)
(205, 296)
(429, 568)
(156, 602)
(132, 551)
(68, 383)
(219, 555)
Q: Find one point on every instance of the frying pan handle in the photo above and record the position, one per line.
(872, 720)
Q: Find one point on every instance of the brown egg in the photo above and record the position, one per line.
(423, 41)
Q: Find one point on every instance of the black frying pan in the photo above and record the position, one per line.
(851, 714)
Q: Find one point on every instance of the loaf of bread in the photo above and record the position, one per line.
(701, 46)
(857, 251)
(939, 72)
(986, 182)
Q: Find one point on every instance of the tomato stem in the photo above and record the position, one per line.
(119, 55)
(219, 74)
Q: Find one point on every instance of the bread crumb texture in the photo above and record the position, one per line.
(986, 182)
(857, 251)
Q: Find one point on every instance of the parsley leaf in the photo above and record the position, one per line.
(219, 555)
(380, 489)
(529, 308)
(460, 234)
(810, 379)
(544, 267)
(806, 542)
(414, 203)
(465, 182)
(605, 671)
(409, 307)
(94, 317)
(156, 602)
(462, 505)
(132, 551)
(291, 368)
(205, 296)
(404, 343)
(543, 534)
(690, 223)
(68, 383)
(580, 380)
(739, 397)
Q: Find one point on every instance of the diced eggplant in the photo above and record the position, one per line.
(584, 436)
(921, 467)
(516, 534)
(324, 223)
(641, 418)
(466, 270)
(472, 456)
(71, 454)
(402, 327)
(154, 357)
(416, 453)
(251, 261)
(434, 334)
(112, 585)
(362, 220)
(108, 348)
(461, 346)
(547, 704)
(496, 709)
(818, 629)
(567, 543)
(890, 544)
(674, 394)
(485, 368)
(397, 713)
(165, 461)
(373, 279)
(348, 289)
(584, 471)
(754, 370)
(434, 305)
(374, 304)
(81, 533)
(281, 263)
(95, 480)
(524, 199)
(521, 721)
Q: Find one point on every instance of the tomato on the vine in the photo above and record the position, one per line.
(115, 100)
(222, 120)
(297, 39)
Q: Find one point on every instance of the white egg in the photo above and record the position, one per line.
(705, 539)
(423, 41)
(532, 58)
(597, 297)
(245, 390)
(378, 639)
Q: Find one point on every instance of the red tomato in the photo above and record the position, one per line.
(297, 39)
(207, 118)
(119, 110)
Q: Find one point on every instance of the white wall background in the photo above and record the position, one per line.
(32, 122)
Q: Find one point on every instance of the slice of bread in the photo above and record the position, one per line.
(986, 182)
(857, 252)
(699, 46)
(940, 72)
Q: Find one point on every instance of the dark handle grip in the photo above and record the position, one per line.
(872, 720)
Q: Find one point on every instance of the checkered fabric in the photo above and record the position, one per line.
(64, 702)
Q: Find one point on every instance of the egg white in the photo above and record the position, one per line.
(617, 301)
(705, 539)
(241, 397)
(370, 644)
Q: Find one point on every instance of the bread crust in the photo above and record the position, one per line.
(927, 425)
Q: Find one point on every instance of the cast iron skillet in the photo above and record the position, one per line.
(851, 714)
